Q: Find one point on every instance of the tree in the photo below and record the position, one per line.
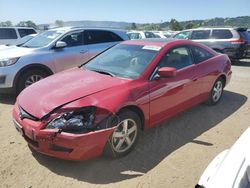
(27, 24)
(189, 26)
(175, 25)
(6, 24)
(133, 26)
(59, 23)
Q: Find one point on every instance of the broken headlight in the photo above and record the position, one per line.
(73, 121)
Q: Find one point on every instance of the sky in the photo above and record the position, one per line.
(146, 11)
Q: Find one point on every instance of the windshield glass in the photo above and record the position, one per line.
(43, 39)
(23, 40)
(127, 61)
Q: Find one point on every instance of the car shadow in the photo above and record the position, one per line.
(242, 62)
(154, 145)
(7, 99)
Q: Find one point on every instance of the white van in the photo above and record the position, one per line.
(8, 35)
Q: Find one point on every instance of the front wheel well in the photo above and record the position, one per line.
(223, 77)
(137, 110)
(39, 67)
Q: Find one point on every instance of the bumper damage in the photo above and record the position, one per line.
(66, 145)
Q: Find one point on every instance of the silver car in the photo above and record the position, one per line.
(50, 52)
(235, 42)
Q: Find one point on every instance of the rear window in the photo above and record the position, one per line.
(200, 34)
(200, 54)
(96, 36)
(149, 35)
(7, 33)
(221, 34)
(182, 35)
(134, 35)
(24, 32)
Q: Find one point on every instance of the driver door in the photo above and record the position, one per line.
(74, 54)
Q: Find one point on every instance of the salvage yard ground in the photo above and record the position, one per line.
(172, 155)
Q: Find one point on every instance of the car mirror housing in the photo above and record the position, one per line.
(60, 44)
(167, 72)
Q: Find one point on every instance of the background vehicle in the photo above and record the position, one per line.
(53, 51)
(18, 42)
(9, 35)
(235, 42)
(104, 104)
(230, 168)
(141, 35)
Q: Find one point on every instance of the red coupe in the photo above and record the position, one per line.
(104, 104)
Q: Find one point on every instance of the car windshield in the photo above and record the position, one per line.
(23, 40)
(43, 39)
(123, 60)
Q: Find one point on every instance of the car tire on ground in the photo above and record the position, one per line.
(216, 92)
(125, 136)
(29, 78)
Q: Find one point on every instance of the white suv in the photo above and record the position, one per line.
(8, 35)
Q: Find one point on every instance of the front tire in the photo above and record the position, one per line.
(29, 78)
(125, 136)
(216, 92)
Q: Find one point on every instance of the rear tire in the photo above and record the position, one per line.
(125, 136)
(216, 92)
(28, 78)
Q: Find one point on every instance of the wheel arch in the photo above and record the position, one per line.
(40, 67)
(137, 110)
(224, 79)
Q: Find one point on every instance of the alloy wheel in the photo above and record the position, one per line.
(217, 91)
(124, 135)
(32, 79)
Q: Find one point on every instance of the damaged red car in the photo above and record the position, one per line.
(105, 104)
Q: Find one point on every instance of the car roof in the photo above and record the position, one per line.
(152, 41)
(17, 28)
(75, 28)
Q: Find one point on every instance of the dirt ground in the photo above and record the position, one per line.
(172, 155)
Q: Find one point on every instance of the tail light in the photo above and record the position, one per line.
(238, 41)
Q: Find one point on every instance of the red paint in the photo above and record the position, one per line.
(157, 99)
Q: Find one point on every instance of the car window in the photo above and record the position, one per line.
(200, 34)
(73, 39)
(123, 60)
(43, 38)
(24, 32)
(182, 35)
(8, 33)
(98, 36)
(200, 54)
(177, 58)
(221, 34)
(149, 35)
(134, 35)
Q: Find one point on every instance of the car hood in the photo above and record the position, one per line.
(14, 51)
(55, 91)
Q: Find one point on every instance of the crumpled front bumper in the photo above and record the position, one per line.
(62, 145)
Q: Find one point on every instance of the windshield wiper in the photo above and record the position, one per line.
(104, 72)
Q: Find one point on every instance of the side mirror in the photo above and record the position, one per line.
(167, 72)
(60, 44)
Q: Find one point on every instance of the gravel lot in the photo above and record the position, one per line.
(172, 155)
